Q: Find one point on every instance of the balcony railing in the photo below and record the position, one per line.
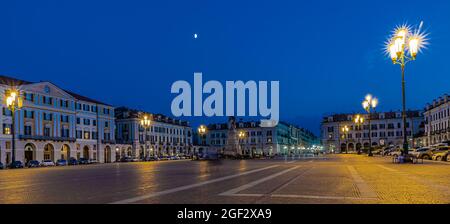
(46, 138)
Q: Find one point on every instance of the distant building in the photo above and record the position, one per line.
(165, 136)
(55, 124)
(282, 139)
(386, 129)
(437, 121)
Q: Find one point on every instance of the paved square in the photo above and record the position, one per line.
(329, 179)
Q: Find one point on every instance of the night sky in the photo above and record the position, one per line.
(326, 54)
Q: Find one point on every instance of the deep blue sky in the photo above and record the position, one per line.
(326, 54)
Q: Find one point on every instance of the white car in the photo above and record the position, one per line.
(47, 163)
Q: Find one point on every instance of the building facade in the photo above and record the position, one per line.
(437, 121)
(55, 124)
(386, 129)
(164, 137)
(283, 139)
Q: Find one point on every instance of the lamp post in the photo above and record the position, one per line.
(369, 104)
(345, 130)
(202, 132)
(241, 136)
(145, 123)
(359, 120)
(405, 41)
(14, 103)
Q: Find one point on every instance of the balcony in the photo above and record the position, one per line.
(46, 138)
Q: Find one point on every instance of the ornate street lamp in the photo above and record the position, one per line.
(369, 104)
(403, 47)
(359, 121)
(241, 136)
(145, 123)
(202, 132)
(345, 130)
(14, 103)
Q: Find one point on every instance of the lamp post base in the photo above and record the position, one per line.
(407, 159)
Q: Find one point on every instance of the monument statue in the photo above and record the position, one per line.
(232, 146)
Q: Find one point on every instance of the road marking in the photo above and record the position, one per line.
(291, 181)
(387, 168)
(254, 183)
(182, 188)
(364, 189)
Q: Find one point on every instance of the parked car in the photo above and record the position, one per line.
(429, 152)
(149, 158)
(16, 164)
(164, 158)
(72, 161)
(125, 159)
(398, 152)
(439, 150)
(387, 150)
(33, 163)
(423, 153)
(375, 152)
(83, 161)
(47, 162)
(135, 159)
(92, 161)
(439, 144)
(61, 162)
(2, 166)
(441, 156)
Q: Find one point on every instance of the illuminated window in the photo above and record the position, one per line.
(6, 129)
(87, 135)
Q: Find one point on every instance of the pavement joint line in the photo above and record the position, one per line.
(303, 196)
(388, 169)
(420, 180)
(186, 187)
(254, 183)
(322, 197)
(364, 189)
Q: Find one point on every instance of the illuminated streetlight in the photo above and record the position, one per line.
(14, 103)
(241, 135)
(145, 123)
(405, 41)
(369, 104)
(345, 130)
(359, 120)
(202, 132)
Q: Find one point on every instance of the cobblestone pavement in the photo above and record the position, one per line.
(329, 179)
